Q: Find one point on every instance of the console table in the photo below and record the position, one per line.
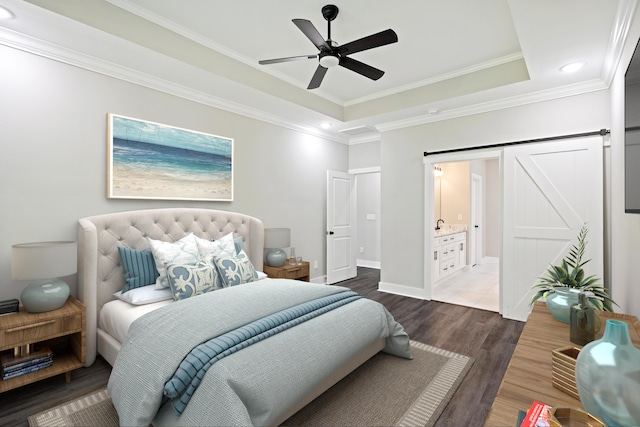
(528, 376)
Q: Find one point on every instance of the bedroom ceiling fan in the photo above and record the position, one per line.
(331, 54)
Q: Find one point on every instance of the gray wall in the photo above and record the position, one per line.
(402, 165)
(53, 120)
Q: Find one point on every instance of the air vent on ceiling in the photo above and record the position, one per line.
(360, 130)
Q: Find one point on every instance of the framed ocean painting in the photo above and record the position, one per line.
(149, 160)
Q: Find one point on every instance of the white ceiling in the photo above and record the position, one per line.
(454, 57)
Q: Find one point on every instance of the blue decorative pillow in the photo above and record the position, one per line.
(239, 244)
(235, 270)
(139, 268)
(187, 280)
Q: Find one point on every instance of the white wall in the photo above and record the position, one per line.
(401, 157)
(624, 229)
(493, 213)
(53, 167)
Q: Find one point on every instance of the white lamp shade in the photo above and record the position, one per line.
(277, 238)
(43, 260)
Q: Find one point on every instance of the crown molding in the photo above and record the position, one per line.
(498, 104)
(36, 40)
(36, 46)
(624, 18)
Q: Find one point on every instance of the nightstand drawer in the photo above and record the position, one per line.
(288, 271)
(295, 272)
(40, 330)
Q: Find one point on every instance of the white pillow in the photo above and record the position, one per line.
(184, 251)
(144, 295)
(223, 246)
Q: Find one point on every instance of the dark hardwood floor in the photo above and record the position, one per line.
(482, 335)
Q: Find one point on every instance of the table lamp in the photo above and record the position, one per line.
(44, 262)
(274, 240)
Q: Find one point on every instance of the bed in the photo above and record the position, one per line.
(273, 376)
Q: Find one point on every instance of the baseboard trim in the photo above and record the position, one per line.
(402, 290)
(368, 263)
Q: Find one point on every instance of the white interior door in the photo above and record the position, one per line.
(550, 190)
(341, 227)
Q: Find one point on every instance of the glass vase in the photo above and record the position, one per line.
(559, 302)
(583, 321)
(608, 376)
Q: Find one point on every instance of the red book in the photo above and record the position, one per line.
(538, 415)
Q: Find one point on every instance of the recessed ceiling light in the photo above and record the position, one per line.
(5, 13)
(572, 68)
(325, 125)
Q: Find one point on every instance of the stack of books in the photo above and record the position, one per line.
(15, 366)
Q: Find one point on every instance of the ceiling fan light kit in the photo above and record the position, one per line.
(331, 54)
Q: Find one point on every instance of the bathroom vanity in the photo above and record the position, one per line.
(449, 252)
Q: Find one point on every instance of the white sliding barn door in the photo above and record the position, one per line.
(550, 190)
(341, 227)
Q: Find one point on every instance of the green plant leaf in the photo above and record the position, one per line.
(570, 274)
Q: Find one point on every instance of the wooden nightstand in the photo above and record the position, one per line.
(63, 330)
(287, 271)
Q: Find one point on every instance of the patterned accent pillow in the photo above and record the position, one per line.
(235, 270)
(184, 251)
(221, 247)
(188, 280)
(139, 268)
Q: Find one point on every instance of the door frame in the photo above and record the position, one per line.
(476, 220)
(364, 171)
(429, 220)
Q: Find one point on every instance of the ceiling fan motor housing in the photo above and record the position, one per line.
(330, 12)
(329, 59)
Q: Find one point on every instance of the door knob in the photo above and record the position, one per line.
(476, 226)
(330, 233)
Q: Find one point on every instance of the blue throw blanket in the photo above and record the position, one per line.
(258, 385)
(192, 369)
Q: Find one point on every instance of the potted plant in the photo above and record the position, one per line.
(562, 283)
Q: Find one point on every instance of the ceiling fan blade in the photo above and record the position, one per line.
(361, 68)
(374, 40)
(287, 59)
(312, 33)
(317, 77)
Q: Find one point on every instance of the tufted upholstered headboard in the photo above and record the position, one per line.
(99, 268)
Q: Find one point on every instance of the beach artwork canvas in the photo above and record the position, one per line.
(153, 161)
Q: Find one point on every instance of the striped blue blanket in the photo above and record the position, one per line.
(192, 369)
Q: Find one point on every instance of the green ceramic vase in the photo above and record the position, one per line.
(608, 376)
(559, 302)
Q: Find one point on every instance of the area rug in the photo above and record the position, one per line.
(384, 391)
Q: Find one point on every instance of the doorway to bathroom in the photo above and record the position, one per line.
(467, 201)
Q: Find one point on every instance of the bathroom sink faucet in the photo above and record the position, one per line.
(438, 224)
